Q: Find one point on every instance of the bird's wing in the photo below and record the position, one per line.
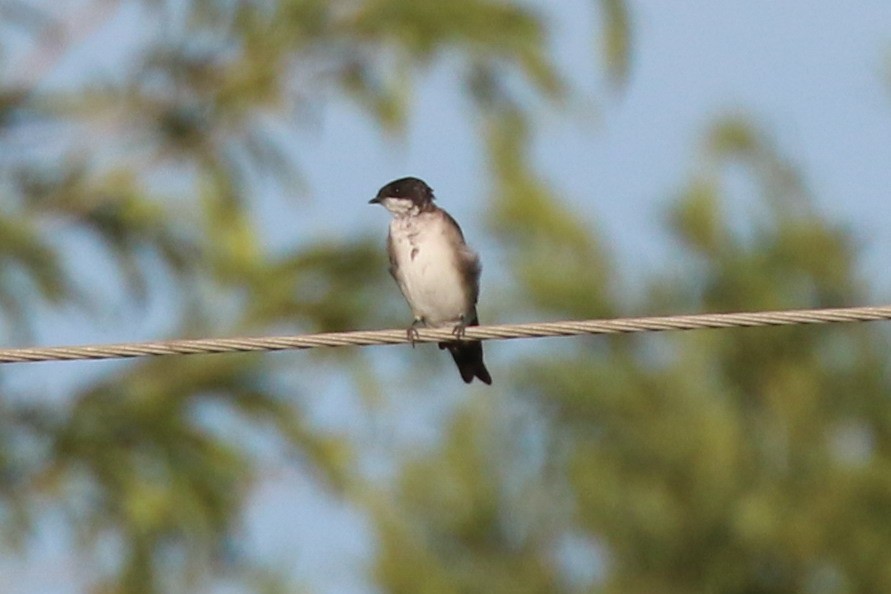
(468, 260)
(391, 253)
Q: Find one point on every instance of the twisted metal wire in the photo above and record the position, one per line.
(496, 332)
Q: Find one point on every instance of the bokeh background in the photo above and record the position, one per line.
(197, 168)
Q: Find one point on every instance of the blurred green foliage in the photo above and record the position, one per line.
(749, 461)
(156, 167)
(731, 461)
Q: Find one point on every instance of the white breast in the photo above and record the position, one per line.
(428, 274)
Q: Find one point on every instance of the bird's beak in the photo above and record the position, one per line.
(375, 200)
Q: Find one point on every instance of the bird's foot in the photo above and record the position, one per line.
(412, 332)
(460, 329)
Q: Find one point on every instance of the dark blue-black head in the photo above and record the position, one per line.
(404, 194)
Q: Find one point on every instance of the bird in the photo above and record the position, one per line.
(437, 272)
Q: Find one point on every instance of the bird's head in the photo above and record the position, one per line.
(405, 195)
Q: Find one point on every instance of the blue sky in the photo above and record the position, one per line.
(815, 73)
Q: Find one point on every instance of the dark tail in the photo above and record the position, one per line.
(468, 357)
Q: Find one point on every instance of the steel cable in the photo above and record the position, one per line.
(495, 332)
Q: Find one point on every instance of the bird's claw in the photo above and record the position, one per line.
(412, 332)
(459, 330)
